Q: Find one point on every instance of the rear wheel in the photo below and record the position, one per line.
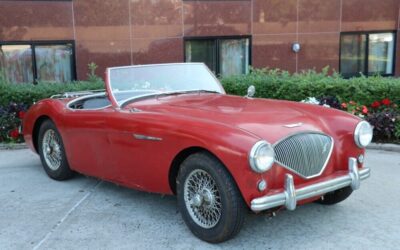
(208, 199)
(336, 196)
(52, 153)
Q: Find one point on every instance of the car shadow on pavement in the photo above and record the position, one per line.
(98, 214)
(146, 212)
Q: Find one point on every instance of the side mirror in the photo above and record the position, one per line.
(251, 91)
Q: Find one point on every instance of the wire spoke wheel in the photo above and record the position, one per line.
(202, 199)
(208, 198)
(52, 153)
(52, 149)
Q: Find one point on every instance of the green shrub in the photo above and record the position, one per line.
(269, 83)
(15, 99)
(29, 93)
(374, 98)
(277, 84)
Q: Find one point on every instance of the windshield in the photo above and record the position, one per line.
(129, 83)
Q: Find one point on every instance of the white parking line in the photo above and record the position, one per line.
(66, 215)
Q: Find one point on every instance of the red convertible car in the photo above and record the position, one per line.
(171, 129)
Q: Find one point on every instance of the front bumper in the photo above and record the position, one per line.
(290, 196)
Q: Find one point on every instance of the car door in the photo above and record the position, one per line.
(134, 138)
(87, 143)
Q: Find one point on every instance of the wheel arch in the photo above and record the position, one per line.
(183, 155)
(36, 127)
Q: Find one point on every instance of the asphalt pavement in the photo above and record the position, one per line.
(85, 213)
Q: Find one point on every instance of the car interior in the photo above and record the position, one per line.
(91, 102)
(100, 101)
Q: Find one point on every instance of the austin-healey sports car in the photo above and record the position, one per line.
(172, 129)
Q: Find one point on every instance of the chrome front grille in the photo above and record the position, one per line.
(306, 154)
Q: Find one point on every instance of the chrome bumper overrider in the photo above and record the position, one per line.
(290, 196)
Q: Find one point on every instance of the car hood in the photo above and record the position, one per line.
(265, 118)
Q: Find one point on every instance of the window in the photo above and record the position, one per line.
(53, 63)
(37, 61)
(224, 56)
(16, 63)
(367, 53)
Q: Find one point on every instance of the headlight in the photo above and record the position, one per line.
(261, 157)
(363, 134)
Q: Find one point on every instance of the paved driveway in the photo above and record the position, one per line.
(84, 213)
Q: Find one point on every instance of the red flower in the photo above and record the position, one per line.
(376, 104)
(344, 105)
(386, 102)
(364, 110)
(14, 133)
(21, 115)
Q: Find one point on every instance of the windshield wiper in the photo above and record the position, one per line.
(208, 91)
(182, 92)
(187, 92)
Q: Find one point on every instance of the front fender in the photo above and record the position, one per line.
(229, 144)
(44, 109)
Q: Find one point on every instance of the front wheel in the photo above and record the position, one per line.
(52, 153)
(208, 199)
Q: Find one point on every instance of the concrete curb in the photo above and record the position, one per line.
(13, 146)
(385, 147)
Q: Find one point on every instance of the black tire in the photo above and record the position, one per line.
(59, 171)
(335, 196)
(232, 207)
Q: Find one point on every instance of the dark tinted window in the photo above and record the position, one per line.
(16, 63)
(37, 61)
(224, 56)
(367, 54)
(53, 63)
(202, 51)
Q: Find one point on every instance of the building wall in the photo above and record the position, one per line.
(123, 32)
(36, 20)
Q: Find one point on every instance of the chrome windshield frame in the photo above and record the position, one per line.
(122, 103)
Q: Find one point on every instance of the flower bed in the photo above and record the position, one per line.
(10, 121)
(15, 99)
(373, 98)
(383, 115)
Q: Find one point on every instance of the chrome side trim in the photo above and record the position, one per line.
(145, 137)
(290, 196)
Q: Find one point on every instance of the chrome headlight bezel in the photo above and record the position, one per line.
(254, 154)
(366, 128)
